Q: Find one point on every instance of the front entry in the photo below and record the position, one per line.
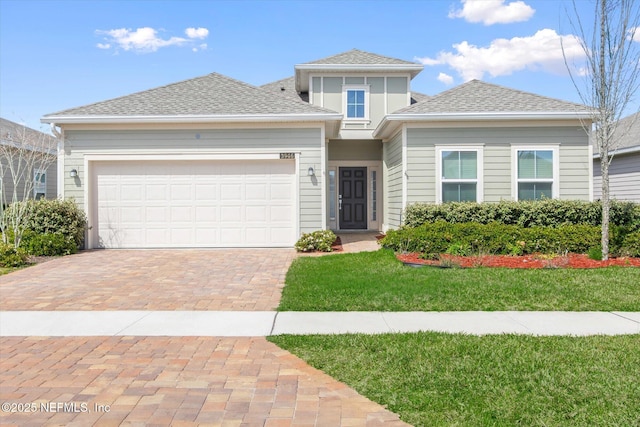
(352, 198)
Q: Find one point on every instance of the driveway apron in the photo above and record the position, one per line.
(177, 381)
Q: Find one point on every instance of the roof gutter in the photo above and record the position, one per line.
(626, 150)
(222, 118)
(393, 120)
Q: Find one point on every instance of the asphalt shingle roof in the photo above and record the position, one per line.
(629, 127)
(213, 94)
(289, 86)
(476, 96)
(10, 131)
(359, 57)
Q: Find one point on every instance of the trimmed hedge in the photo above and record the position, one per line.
(544, 213)
(11, 256)
(48, 244)
(320, 240)
(494, 238)
(56, 216)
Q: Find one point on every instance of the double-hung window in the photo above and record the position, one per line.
(536, 173)
(39, 184)
(460, 175)
(356, 98)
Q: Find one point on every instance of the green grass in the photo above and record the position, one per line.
(435, 379)
(376, 281)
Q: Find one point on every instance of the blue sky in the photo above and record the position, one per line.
(56, 55)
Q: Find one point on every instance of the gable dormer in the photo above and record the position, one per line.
(362, 86)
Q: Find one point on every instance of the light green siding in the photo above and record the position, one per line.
(303, 141)
(316, 87)
(392, 161)
(397, 89)
(332, 88)
(497, 142)
(376, 99)
(355, 150)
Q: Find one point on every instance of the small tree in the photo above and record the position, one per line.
(24, 153)
(608, 81)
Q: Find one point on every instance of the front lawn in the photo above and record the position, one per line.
(376, 281)
(435, 379)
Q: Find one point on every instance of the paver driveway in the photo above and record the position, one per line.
(164, 381)
(236, 279)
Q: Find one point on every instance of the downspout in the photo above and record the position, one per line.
(60, 159)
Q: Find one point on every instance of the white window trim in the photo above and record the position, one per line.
(366, 89)
(555, 182)
(479, 181)
(37, 185)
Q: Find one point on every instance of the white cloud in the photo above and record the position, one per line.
(491, 12)
(635, 33)
(146, 39)
(542, 51)
(445, 78)
(196, 33)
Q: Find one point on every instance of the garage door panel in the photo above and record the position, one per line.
(194, 203)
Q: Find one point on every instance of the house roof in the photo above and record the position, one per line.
(199, 99)
(15, 134)
(478, 100)
(626, 138)
(353, 61)
(359, 57)
(477, 96)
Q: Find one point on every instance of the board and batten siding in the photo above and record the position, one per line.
(392, 161)
(497, 153)
(305, 141)
(624, 177)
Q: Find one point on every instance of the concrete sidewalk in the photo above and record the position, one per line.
(264, 323)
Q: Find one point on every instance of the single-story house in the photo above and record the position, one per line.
(21, 142)
(624, 170)
(343, 144)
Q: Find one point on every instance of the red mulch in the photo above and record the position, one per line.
(527, 261)
(337, 245)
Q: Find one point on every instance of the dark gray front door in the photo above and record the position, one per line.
(353, 198)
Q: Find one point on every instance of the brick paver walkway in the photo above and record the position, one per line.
(239, 280)
(173, 381)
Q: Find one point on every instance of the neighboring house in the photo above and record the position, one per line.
(16, 136)
(344, 144)
(624, 170)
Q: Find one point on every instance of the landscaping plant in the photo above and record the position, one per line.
(320, 240)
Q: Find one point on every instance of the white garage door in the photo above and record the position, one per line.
(155, 204)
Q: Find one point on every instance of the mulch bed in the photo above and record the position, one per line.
(527, 261)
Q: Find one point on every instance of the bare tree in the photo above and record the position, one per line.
(609, 80)
(25, 154)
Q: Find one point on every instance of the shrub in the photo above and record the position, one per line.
(494, 238)
(544, 213)
(57, 216)
(11, 256)
(595, 253)
(320, 240)
(48, 244)
(631, 245)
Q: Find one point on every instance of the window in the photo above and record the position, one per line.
(356, 100)
(332, 194)
(374, 196)
(355, 104)
(39, 184)
(535, 175)
(459, 175)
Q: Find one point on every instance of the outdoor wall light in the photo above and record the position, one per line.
(73, 173)
(311, 172)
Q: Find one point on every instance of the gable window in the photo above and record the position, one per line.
(39, 184)
(356, 102)
(460, 175)
(536, 173)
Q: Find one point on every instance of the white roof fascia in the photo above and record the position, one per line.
(302, 70)
(226, 118)
(496, 116)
